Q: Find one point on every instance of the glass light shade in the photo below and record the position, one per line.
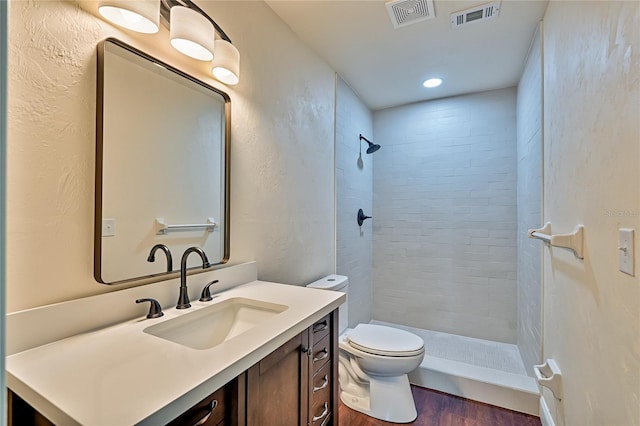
(226, 63)
(191, 33)
(432, 82)
(142, 16)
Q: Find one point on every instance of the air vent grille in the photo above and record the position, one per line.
(406, 12)
(475, 14)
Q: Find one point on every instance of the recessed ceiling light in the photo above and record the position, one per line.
(432, 82)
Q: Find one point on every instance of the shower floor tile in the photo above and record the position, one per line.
(482, 353)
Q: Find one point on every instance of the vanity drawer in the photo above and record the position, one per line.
(321, 354)
(321, 381)
(321, 329)
(321, 398)
(208, 412)
(321, 414)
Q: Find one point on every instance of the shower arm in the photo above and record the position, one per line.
(363, 138)
(372, 147)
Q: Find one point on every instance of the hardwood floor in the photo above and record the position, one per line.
(441, 409)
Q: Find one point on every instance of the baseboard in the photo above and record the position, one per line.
(506, 390)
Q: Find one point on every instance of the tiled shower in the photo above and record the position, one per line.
(452, 191)
(444, 233)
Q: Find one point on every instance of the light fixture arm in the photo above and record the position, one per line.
(166, 5)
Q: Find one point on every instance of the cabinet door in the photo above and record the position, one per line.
(277, 386)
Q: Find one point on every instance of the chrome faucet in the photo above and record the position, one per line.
(183, 299)
(167, 252)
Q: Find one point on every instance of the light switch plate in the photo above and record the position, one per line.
(108, 227)
(625, 251)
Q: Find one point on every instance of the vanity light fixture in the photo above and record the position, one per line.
(141, 16)
(432, 82)
(192, 31)
(226, 63)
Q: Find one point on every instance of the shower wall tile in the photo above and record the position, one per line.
(444, 208)
(354, 185)
(529, 137)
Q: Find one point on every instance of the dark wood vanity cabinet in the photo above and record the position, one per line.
(19, 412)
(276, 386)
(297, 384)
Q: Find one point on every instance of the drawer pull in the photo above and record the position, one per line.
(325, 353)
(324, 413)
(325, 383)
(212, 406)
(321, 326)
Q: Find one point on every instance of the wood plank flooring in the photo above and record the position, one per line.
(441, 409)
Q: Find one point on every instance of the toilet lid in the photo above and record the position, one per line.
(381, 340)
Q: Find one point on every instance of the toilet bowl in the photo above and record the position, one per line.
(374, 362)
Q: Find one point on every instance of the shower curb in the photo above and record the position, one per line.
(512, 391)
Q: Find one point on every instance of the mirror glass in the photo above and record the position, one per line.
(162, 167)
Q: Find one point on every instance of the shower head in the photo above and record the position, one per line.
(372, 147)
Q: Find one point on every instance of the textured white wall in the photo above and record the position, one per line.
(354, 190)
(282, 156)
(283, 168)
(444, 209)
(529, 136)
(592, 177)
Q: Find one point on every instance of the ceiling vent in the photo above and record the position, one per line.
(406, 12)
(475, 14)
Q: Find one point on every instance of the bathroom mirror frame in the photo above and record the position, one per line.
(99, 169)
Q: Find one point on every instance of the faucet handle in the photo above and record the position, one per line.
(206, 294)
(155, 310)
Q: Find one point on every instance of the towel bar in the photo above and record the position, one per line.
(163, 227)
(573, 241)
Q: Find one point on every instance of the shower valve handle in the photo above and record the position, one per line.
(362, 217)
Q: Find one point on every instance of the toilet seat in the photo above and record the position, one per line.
(385, 341)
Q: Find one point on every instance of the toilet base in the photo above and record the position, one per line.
(388, 398)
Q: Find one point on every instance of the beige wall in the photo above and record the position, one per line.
(592, 177)
(282, 147)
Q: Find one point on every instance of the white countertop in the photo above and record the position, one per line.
(120, 375)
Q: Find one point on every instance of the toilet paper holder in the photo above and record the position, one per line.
(550, 376)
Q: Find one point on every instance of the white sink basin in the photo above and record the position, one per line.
(210, 326)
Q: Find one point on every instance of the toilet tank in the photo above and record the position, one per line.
(336, 283)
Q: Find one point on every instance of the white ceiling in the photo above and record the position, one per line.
(386, 67)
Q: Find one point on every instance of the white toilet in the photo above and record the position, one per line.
(374, 363)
